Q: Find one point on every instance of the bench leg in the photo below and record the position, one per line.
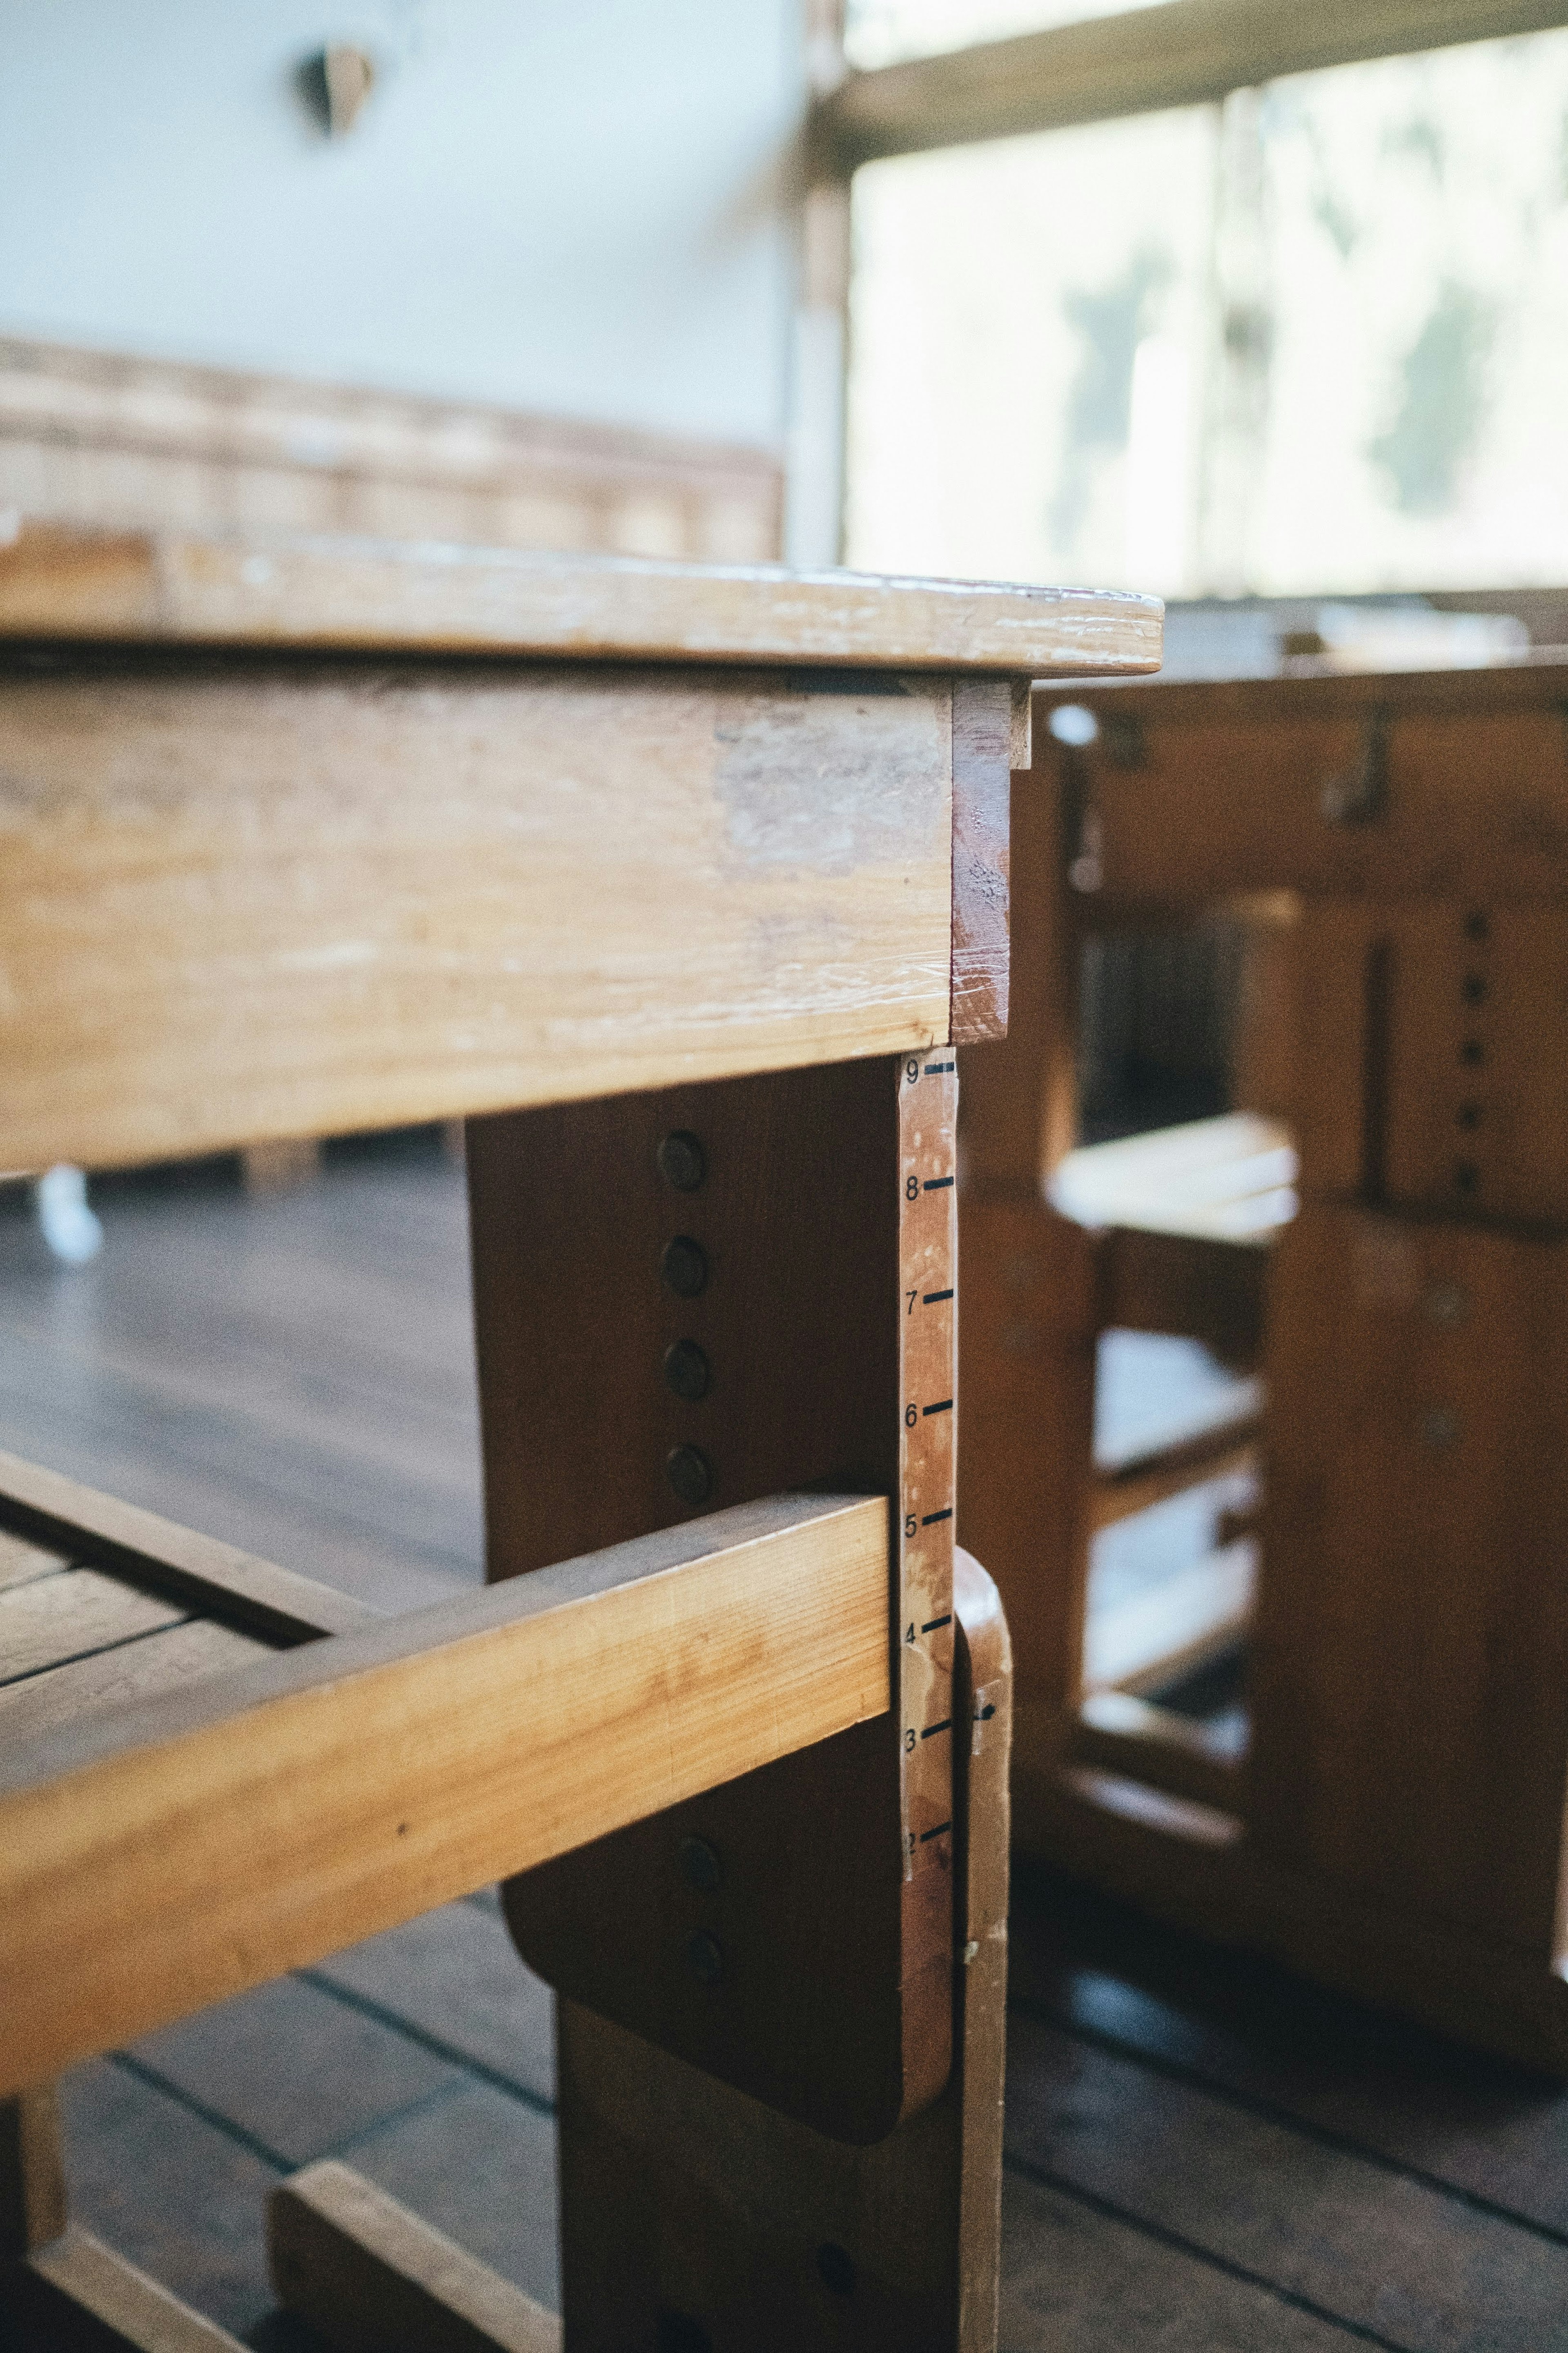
(61, 2290)
(693, 2218)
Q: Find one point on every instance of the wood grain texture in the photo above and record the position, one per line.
(53, 1619)
(421, 1766)
(163, 588)
(285, 901)
(982, 753)
(366, 2273)
(1187, 53)
(688, 2207)
(214, 1578)
(116, 438)
(133, 1670)
(833, 1997)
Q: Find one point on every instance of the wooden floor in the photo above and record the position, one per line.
(1201, 2153)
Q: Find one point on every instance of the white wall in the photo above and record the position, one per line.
(570, 206)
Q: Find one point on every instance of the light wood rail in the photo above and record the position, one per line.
(162, 1847)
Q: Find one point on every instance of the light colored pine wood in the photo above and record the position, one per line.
(89, 2297)
(116, 438)
(53, 1619)
(366, 2273)
(135, 1670)
(305, 902)
(163, 588)
(424, 1759)
(216, 1580)
(1187, 53)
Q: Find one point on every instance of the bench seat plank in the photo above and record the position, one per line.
(52, 1618)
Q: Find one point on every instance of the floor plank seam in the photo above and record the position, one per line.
(243, 2137)
(1271, 2111)
(366, 2006)
(1044, 2177)
(390, 2120)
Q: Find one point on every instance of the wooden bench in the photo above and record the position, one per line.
(1395, 1823)
(680, 886)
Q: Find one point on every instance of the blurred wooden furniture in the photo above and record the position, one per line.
(1396, 1825)
(678, 885)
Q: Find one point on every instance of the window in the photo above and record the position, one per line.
(1315, 340)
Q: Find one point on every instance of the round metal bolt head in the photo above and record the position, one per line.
(687, 1370)
(682, 1161)
(1440, 1429)
(700, 1865)
(837, 2267)
(684, 1267)
(690, 1474)
(704, 1956)
(1446, 1304)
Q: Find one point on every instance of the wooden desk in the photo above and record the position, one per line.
(1396, 1825)
(681, 886)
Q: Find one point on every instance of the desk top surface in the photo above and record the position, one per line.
(178, 589)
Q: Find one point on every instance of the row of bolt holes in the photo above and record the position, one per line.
(1472, 1052)
(684, 1267)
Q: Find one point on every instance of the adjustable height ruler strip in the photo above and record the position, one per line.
(928, 1329)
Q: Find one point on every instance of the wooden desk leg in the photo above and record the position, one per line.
(695, 2220)
(61, 2290)
(692, 2217)
(693, 1298)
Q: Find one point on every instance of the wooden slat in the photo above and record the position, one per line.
(219, 1580)
(427, 1757)
(85, 2298)
(275, 901)
(1171, 1752)
(135, 1670)
(163, 588)
(1216, 1453)
(1187, 52)
(365, 2272)
(20, 1560)
(54, 1618)
(1172, 1627)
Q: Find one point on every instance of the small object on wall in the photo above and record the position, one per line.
(334, 84)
